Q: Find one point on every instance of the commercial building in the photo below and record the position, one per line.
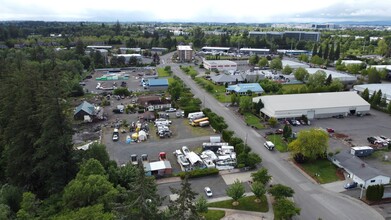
(159, 50)
(350, 62)
(128, 56)
(96, 47)
(125, 50)
(297, 35)
(359, 171)
(220, 65)
(293, 64)
(254, 51)
(216, 49)
(343, 77)
(157, 84)
(242, 89)
(185, 53)
(222, 79)
(294, 52)
(313, 105)
(385, 89)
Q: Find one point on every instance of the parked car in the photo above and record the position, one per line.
(208, 192)
(171, 110)
(330, 130)
(279, 131)
(371, 140)
(350, 185)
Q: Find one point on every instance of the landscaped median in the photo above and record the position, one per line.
(213, 214)
(246, 204)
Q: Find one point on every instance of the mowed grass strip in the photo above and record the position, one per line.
(246, 204)
(322, 170)
(213, 214)
(253, 120)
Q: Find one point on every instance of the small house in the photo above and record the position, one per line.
(359, 171)
(84, 109)
(244, 88)
(154, 102)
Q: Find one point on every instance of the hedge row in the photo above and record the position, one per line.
(199, 173)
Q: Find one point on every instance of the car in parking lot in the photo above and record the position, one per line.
(208, 191)
(350, 185)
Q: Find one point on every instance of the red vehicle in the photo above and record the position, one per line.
(330, 130)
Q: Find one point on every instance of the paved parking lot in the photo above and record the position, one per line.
(217, 184)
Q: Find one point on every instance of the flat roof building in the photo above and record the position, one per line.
(243, 88)
(313, 105)
(293, 64)
(220, 65)
(385, 89)
(297, 35)
(216, 49)
(349, 62)
(253, 51)
(128, 56)
(343, 77)
(185, 53)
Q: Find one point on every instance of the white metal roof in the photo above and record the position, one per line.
(294, 64)
(254, 49)
(184, 47)
(385, 89)
(159, 165)
(344, 77)
(215, 48)
(347, 62)
(311, 101)
(380, 67)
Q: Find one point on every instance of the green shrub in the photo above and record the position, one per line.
(199, 173)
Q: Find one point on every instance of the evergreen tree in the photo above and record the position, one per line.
(389, 107)
(145, 199)
(287, 131)
(328, 81)
(337, 51)
(315, 49)
(365, 94)
(377, 98)
(320, 52)
(183, 207)
(332, 52)
(371, 100)
(326, 51)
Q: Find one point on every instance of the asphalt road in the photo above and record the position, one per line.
(315, 201)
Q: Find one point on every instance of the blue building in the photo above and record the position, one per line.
(243, 88)
(157, 84)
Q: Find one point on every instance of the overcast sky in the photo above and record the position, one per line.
(197, 10)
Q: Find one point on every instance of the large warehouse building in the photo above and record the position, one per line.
(343, 77)
(313, 105)
(385, 89)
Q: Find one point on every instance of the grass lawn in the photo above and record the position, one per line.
(287, 88)
(253, 120)
(325, 170)
(162, 73)
(170, 80)
(278, 141)
(218, 91)
(246, 204)
(214, 214)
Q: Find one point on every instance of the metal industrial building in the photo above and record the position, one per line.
(343, 77)
(313, 105)
(385, 89)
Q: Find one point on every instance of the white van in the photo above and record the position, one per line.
(269, 145)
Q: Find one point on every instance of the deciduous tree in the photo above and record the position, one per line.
(261, 176)
(301, 74)
(311, 143)
(259, 190)
(285, 209)
(235, 191)
(280, 191)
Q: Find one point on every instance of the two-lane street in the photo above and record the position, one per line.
(315, 201)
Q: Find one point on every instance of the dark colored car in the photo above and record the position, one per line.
(279, 131)
(350, 185)
(330, 130)
(371, 140)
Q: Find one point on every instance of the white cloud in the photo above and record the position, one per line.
(202, 10)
